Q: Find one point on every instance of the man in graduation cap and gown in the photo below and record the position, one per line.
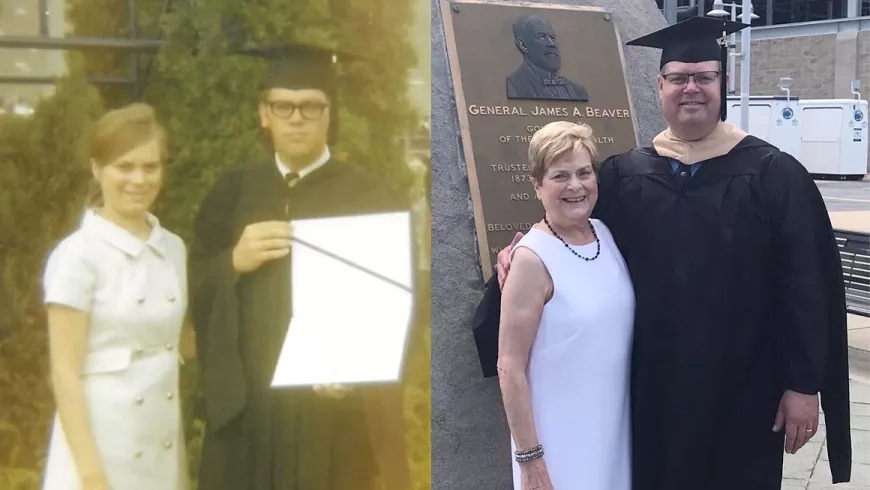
(258, 437)
(740, 321)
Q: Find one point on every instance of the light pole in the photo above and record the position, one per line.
(747, 17)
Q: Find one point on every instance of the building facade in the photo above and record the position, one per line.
(822, 58)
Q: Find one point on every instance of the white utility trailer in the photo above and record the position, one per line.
(828, 136)
(771, 118)
(834, 138)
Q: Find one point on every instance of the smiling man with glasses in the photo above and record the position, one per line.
(259, 438)
(740, 324)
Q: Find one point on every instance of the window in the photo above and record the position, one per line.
(20, 17)
(792, 11)
(686, 8)
(680, 3)
(33, 17)
(21, 99)
(31, 64)
(785, 11)
(20, 62)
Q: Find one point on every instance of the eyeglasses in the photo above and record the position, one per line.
(308, 110)
(701, 78)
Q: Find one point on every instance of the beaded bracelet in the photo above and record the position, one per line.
(529, 454)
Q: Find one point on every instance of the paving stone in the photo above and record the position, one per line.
(861, 422)
(801, 465)
(794, 484)
(821, 479)
(862, 409)
(859, 393)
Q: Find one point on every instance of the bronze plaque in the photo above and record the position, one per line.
(517, 66)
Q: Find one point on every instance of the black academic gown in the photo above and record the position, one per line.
(739, 297)
(258, 438)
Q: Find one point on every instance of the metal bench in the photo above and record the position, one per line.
(855, 257)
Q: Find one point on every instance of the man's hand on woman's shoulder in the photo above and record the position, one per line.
(503, 262)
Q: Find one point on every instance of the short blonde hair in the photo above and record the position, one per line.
(558, 140)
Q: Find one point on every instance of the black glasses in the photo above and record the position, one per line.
(308, 110)
(701, 78)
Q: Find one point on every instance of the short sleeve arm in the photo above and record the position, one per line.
(70, 278)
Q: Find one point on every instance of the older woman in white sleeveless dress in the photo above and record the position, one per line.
(567, 319)
(116, 295)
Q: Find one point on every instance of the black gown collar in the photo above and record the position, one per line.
(741, 160)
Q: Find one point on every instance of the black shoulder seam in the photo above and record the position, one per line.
(772, 153)
(751, 141)
(647, 150)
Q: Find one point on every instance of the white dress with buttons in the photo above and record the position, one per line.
(135, 293)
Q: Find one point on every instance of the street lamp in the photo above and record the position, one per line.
(719, 11)
(747, 17)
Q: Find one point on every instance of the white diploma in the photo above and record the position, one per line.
(352, 292)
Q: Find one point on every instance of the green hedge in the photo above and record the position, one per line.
(207, 100)
(43, 169)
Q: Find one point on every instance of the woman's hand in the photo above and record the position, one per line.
(535, 476)
(96, 482)
(187, 342)
(503, 264)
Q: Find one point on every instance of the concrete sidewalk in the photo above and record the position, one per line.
(809, 470)
(859, 348)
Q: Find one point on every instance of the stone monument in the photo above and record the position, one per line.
(500, 70)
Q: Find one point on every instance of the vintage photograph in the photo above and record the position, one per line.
(169, 169)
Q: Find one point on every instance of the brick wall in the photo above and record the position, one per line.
(822, 66)
(864, 62)
(809, 60)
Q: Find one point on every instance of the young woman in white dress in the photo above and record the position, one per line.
(567, 317)
(116, 294)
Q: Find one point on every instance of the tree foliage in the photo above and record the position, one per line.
(43, 174)
(206, 96)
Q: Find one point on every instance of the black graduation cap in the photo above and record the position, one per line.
(694, 40)
(299, 66)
